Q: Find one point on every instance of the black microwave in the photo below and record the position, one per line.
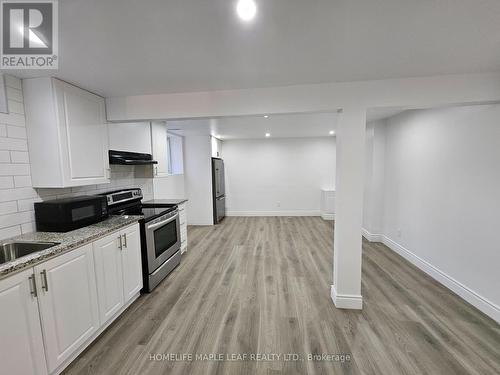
(63, 215)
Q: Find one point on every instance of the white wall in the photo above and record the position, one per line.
(169, 187)
(16, 193)
(441, 202)
(198, 179)
(292, 171)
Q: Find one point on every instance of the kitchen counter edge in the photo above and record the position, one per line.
(67, 242)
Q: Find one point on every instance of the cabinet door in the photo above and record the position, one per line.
(130, 136)
(68, 303)
(108, 267)
(159, 142)
(21, 344)
(131, 260)
(83, 135)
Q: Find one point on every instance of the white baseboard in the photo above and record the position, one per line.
(346, 301)
(371, 236)
(273, 213)
(481, 303)
(328, 216)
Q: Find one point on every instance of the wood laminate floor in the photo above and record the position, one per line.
(262, 285)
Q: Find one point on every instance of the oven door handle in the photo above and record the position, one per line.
(161, 223)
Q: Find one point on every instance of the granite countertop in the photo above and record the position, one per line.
(67, 241)
(166, 201)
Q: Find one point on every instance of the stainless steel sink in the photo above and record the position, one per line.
(17, 249)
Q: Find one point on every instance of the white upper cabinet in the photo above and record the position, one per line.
(159, 143)
(130, 136)
(21, 343)
(67, 134)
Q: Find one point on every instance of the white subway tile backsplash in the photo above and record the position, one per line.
(15, 94)
(8, 207)
(6, 182)
(16, 219)
(13, 82)
(22, 181)
(19, 157)
(16, 132)
(15, 107)
(10, 232)
(3, 130)
(17, 193)
(27, 204)
(12, 119)
(14, 169)
(84, 189)
(13, 144)
(28, 227)
(52, 192)
(4, 157)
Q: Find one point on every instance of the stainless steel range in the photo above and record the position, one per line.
(160, 233)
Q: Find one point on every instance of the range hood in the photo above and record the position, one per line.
(130, 158)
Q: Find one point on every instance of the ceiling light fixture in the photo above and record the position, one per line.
(268, 135)
(332, 132)
(246, 9)
(266, 116)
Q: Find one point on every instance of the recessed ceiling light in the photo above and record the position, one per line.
(331, 132)
(268, 135)
(266, 116)
(246, 9)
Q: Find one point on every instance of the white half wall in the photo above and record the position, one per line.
(198, 179)
(441, 201)
(278, 177)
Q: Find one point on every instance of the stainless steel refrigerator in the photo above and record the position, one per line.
(218, 190)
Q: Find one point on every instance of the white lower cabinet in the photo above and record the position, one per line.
(55, 309)
(68, 303)
(131, 262)
(118, 270)
(21, 343)
(108, 268)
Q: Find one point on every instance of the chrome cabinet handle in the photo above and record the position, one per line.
(120, 242)
(125, 240)
(156, 171)
(45, 284)
(32, 282)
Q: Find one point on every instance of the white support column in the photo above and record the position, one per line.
(351, 131)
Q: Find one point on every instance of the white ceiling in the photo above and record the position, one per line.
(125, 47)
(247, 127)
